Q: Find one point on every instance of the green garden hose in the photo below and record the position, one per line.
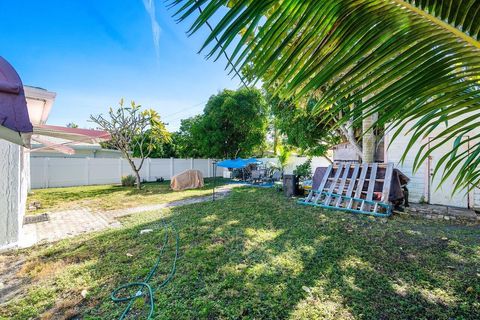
(144, 289)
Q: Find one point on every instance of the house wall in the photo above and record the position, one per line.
(476, 198)
(419, 186)
(294, 161)
(13, 188)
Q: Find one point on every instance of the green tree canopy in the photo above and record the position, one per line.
(164, 148)
(187, 138)
(302, 128)
(234, 124)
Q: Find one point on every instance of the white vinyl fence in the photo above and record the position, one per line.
(294, 161)
(69, 172)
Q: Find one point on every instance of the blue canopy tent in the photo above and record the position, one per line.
(238, 163)
(254, 161)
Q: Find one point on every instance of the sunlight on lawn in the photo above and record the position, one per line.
(262, 259)
(110, 197)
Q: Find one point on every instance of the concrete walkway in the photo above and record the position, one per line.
(71, 223)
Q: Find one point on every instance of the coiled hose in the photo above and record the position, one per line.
(144, 289)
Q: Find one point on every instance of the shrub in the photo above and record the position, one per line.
(304, 170)
(128, 181)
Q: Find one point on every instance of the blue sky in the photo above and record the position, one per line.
(94, 52)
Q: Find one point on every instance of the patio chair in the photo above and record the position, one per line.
(257, 176)
(276, 175)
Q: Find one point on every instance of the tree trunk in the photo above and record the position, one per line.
(328, 159)
(136, 171)
(275, 139)
(137, 175)
(368, 138)
(350, 136)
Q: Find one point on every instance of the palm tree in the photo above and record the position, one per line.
(283, 155)
(405, 60)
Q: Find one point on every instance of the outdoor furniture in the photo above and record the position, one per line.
(243, 167)
(367, 188)
(258, 175)
(276, 176)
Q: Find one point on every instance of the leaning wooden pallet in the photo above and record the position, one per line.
(339, 182)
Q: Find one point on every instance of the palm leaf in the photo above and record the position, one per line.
(409, 60)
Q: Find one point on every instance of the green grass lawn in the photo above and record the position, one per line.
(108, 197)
(257, 255)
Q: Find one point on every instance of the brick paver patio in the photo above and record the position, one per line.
(70, 223)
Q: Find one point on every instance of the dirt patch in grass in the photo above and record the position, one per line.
(12, 282)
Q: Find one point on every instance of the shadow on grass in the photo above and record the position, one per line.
(256, 255)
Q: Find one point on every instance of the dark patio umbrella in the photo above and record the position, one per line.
(15, 125)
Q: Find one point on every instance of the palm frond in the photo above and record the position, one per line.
(408, 60)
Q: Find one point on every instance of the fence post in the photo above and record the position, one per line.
(87, 170)
(191, 163)
(120, 170)
(209, 164)
(148, 168)
(172, 167)
(45, 172)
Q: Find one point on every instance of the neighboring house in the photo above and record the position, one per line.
(82, 150)
(39, 103)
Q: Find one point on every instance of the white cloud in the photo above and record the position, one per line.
(150, 7)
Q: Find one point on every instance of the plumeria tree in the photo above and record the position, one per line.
(132, 128)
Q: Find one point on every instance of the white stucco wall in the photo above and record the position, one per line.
(417, 186)
(476, 198)
(14, 175)
(420, 186)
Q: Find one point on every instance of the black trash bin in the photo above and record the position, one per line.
(290, 185)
